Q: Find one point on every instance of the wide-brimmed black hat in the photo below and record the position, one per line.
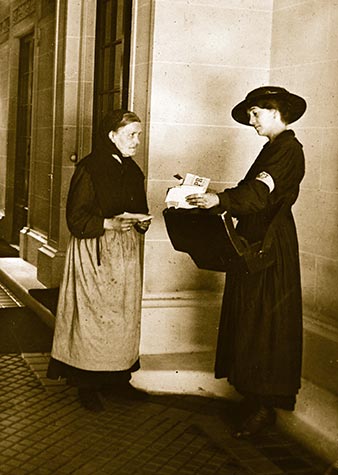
(297, 103)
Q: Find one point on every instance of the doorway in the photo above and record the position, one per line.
(23, 136)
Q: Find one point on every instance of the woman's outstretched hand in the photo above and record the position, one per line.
(125, 221)
(143, 225)
(203, 200)
(119, 224)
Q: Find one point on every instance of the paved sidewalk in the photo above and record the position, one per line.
(45, 431)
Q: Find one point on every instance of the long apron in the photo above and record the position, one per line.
(99, 309)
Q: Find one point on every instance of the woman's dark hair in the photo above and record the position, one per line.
(113, 120)
(120, 118)
(127, 118)
(282, 105)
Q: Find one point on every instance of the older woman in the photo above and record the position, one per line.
(260, 334)
(97, 332)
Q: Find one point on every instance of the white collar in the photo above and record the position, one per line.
(117, 158)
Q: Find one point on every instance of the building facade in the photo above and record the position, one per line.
(181, 65)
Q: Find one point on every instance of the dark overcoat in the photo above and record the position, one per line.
(260, 334)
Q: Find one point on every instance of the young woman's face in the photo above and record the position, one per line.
(127, 138)
(263, 120)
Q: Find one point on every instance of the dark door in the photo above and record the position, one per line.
(112, 56)
(23, 136)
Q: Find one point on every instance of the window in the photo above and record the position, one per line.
(23, 136)
(112, 57)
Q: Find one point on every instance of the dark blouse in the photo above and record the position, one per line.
(93, 197)
(251, 201)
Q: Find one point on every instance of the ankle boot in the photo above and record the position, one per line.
(261, 419)
(90, 399)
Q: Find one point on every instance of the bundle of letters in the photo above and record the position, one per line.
(191, 184)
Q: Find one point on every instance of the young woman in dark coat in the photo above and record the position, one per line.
(259, 345)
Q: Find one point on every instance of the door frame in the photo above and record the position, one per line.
(24, 115)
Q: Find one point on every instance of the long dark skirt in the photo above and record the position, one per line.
(259, 345)
(89, 379)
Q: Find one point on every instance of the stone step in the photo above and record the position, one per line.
(182, 373)
(19, 276)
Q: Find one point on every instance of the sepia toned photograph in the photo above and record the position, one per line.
(168, 237)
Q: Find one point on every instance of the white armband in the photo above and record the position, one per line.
(267, 179)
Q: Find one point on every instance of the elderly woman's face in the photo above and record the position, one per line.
(127, 138)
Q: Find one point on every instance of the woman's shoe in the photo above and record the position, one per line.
(90, 399)
(261, 419)
(247, 407)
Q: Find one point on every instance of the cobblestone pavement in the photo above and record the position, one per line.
(45, 431)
